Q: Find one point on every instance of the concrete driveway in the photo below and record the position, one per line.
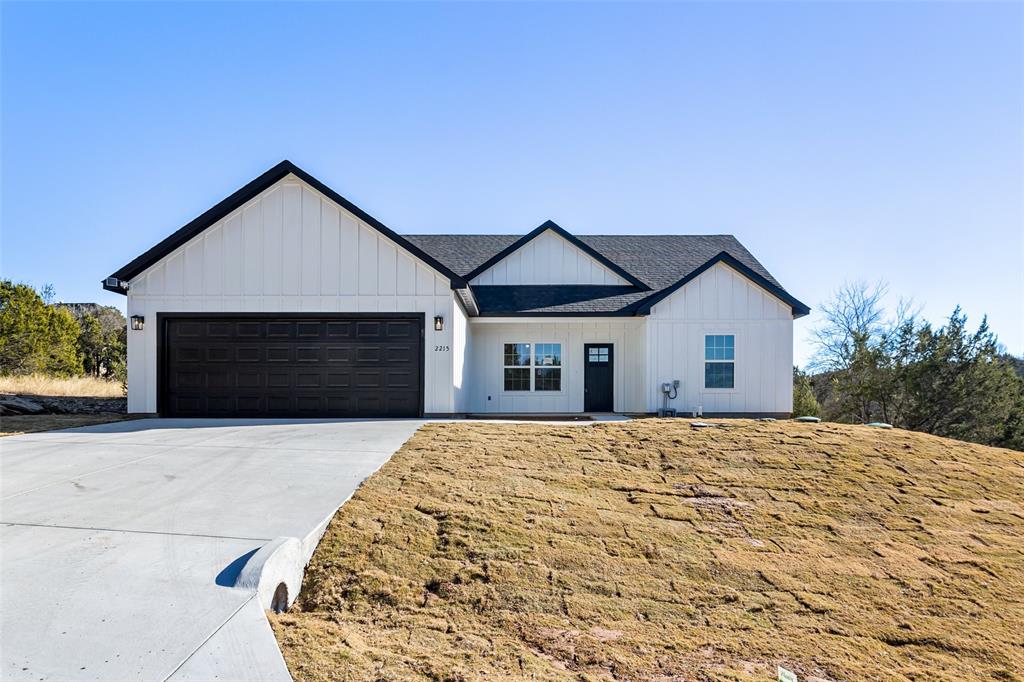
(120, 543)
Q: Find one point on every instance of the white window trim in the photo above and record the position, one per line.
(533, 349)
(735, 361)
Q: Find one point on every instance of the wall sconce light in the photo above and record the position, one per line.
(138, 322)
(438, 323)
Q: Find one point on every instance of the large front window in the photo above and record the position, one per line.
(719, 361)
(533, 367)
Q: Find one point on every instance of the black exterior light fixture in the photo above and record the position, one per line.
(138, 322)
(438, 323)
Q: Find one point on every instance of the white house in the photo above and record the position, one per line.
(285, 299)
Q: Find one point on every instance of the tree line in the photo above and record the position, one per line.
(949, 381)
(39, 336)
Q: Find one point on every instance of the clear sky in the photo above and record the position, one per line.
(836, 141)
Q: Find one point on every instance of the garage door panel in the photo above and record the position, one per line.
(279, 330)
(309, 403)
(247, 378)
(222, 330)
(187, 353)
(248, 354)
(219, 380)
(312, 366)
(248, 330)
(368, 330)
(276, 379)
(338, 380)
(397, 330)
(188, 403)
(279, 404)
(398, 355)
(339, 354)
(400, 403)
(368, 379)
(308, 380)
(399, 380)
(280, 354)
(308, 330)
(189, 330)
(187, 380)
(219, 353)
(249, 404)
(368, 355)
(220, 403)
(339, 330)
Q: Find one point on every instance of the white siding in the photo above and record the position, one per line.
(722, 301)
(460, 356)
(485, 390)
(290, 249)
(548, 259)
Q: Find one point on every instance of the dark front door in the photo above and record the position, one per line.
(598, 392)
(291, 365)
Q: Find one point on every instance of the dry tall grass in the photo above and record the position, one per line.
(81, 387)
(647, 550)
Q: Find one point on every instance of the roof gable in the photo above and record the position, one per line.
(250, 191)
(552, 227)
(551, 259)
(799, 309)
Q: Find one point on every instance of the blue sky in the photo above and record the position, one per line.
(836, 141)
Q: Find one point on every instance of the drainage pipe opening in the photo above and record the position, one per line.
(280, 601)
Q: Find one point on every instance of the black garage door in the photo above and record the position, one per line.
(291, 366)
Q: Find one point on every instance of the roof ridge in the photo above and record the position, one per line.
(518, 234)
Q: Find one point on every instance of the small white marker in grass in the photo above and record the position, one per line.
(786, 675)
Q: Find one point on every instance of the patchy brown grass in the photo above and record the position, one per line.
(647, 550)
(13, 425)
(83, 387)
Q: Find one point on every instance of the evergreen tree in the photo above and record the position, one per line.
(36, 336)
(951, 381)
(62, 357)
(805, 404)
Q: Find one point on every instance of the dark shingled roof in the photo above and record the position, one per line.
(463, 253)
(659, 261)
(654, 266)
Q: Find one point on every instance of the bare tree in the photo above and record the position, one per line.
(853, 316)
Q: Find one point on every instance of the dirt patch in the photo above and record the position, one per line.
(15, 405)
(13, 425)
(648, 550)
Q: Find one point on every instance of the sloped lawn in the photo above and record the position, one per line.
(648, 550)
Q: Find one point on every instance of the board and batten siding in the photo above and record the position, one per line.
(288, 250)
(486, 389)
(722, 301)
(548, 259)
(460, 357)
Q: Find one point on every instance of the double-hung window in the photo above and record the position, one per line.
(719, 361)
(532, 366)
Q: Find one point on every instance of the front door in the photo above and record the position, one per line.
(598, 392)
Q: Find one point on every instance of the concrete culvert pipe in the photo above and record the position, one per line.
(274, 572)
